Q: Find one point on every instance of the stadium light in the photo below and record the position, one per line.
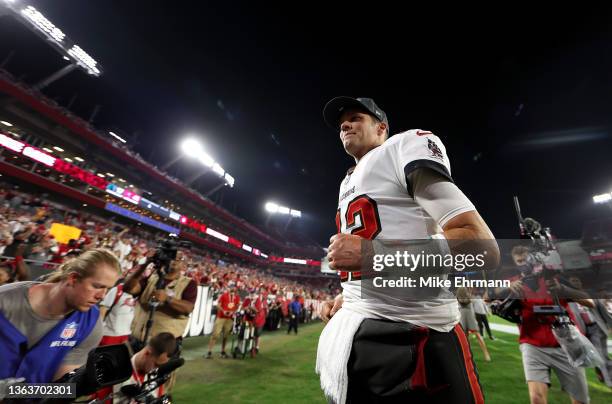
(206, 160)
(116, 136)
(68, 160)
(78, 159)
(192, 147)
(271, 207)
(230, 180)
(59, 149)
(218, 169)
(42, 26)
(49, 150)
(603, 198)
(275, 209)
(5, 123)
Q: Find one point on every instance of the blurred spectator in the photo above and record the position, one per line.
(228, 304)
(295, 308)
(258, 306)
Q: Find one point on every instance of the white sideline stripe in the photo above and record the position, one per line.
(509, 329)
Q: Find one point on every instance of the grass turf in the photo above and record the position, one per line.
(284, 372)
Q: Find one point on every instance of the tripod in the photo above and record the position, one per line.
(154, 303)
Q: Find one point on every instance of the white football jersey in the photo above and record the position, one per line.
(376, 202)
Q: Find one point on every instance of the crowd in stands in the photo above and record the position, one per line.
(25, 238)
(302, 247)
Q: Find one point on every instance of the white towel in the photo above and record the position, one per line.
(333, 353)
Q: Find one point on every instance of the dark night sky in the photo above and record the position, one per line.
(521, 97)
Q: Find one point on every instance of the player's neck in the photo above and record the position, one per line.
(47, 300)
(358, 156)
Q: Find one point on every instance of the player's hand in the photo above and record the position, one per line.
(345, 252)
(330, 307)
(160, 295)
(517, 288)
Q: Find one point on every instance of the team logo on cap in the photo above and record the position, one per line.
(434, 149)
(69, 331)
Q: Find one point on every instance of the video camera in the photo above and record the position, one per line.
(166, 252)
(541, 249)
(106, 366)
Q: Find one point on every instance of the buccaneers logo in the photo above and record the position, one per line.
(434, 149)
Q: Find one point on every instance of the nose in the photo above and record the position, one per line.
(345, 126)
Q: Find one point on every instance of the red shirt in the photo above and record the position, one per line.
(228, 305)
(262, 310)
(535, 329)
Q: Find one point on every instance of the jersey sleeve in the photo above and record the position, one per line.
(420, 149)
(109, 298)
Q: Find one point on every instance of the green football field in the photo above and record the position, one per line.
(283, 372)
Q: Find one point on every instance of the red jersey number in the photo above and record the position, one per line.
(366, 209)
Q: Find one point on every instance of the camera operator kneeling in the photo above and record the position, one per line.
(47, 329)
(155, 354)
(165, 300)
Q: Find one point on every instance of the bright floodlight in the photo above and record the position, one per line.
(603, 198)
(42, 23)
(284, 210)
(206, 160)
(59, 149)
(229, 179)
(218, 169)
(271, 207)
(191, 147)
(296, 213)
(84, 60)
(5, 123)
(116, 136)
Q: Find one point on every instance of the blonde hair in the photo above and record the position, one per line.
(85, 265)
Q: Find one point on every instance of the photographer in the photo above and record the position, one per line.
(175, 294)
(57, 321)
(227, 305)
(256, 308)
(540, 351)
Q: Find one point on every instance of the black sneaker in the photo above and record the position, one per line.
(208, 355)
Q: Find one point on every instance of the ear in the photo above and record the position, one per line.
(382, 127)
(72, 278)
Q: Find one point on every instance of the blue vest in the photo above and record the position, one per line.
(41, 361)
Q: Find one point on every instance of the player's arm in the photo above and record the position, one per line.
(456, 215)
(132, 281)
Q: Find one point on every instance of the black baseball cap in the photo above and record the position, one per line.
(334, 109)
